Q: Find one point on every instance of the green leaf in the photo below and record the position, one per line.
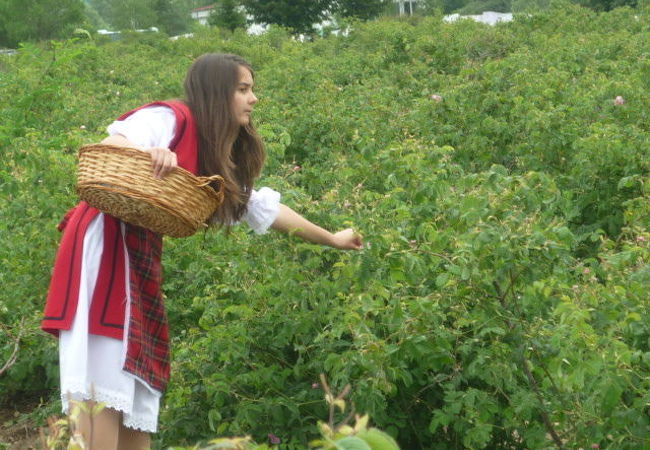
(214, 417)
(352, 443)
(442, 279)
(377, 439)
(611, 396)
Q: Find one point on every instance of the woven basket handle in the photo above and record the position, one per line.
(204, 181)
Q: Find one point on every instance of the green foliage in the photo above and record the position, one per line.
(502, 189)
(298, 15)
(63, 433)
(360, 9)
(33, 20)
(128, 14)
(173, 16)
(170, 16)
(478, 6)
(228, 15)
(607, 5)
(469, 7)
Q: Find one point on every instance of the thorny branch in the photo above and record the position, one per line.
(545, 418)
(14, 355)
(524, 364)
(332, 405)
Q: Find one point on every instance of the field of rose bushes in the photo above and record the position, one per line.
(502, 189)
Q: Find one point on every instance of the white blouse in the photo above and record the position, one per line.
(155, 126)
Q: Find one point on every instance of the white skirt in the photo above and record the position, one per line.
(91, 365)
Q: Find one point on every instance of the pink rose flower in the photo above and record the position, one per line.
(273, 439)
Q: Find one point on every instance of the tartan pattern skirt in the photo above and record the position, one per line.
(91, 366)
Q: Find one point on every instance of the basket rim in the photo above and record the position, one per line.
(142, 155)
(100, 170)
(130, 150)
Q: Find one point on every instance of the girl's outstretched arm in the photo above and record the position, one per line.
(290, 221)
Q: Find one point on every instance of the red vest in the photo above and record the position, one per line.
(107, 311)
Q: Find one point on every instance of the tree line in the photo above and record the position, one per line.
(35, 20)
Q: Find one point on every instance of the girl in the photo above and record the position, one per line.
(105, 302)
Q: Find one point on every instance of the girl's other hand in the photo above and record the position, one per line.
(163, 160)
(348, 239)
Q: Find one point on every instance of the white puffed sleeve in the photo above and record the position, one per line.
(153, 126)
(263, 209)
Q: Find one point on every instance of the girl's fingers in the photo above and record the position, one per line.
(174, 160)
(163, 161)
(349, 240)
(169, 163)
(156, 162)
(357, 242)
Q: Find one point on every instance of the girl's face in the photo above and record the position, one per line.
(244, 98)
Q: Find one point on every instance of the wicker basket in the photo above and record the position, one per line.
(119, 181)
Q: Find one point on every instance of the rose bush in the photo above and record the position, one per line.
(502, 297)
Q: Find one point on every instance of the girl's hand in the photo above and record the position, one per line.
(348, 239)
(163, 160)
(290, 221)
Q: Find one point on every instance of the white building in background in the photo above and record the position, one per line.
(201, 14)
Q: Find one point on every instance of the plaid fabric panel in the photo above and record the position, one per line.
(147, 355)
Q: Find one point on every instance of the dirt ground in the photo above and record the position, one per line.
(17, 430)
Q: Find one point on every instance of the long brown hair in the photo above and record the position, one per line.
(226, 148)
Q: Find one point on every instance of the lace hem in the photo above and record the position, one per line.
(148, 426)
(79, 392)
